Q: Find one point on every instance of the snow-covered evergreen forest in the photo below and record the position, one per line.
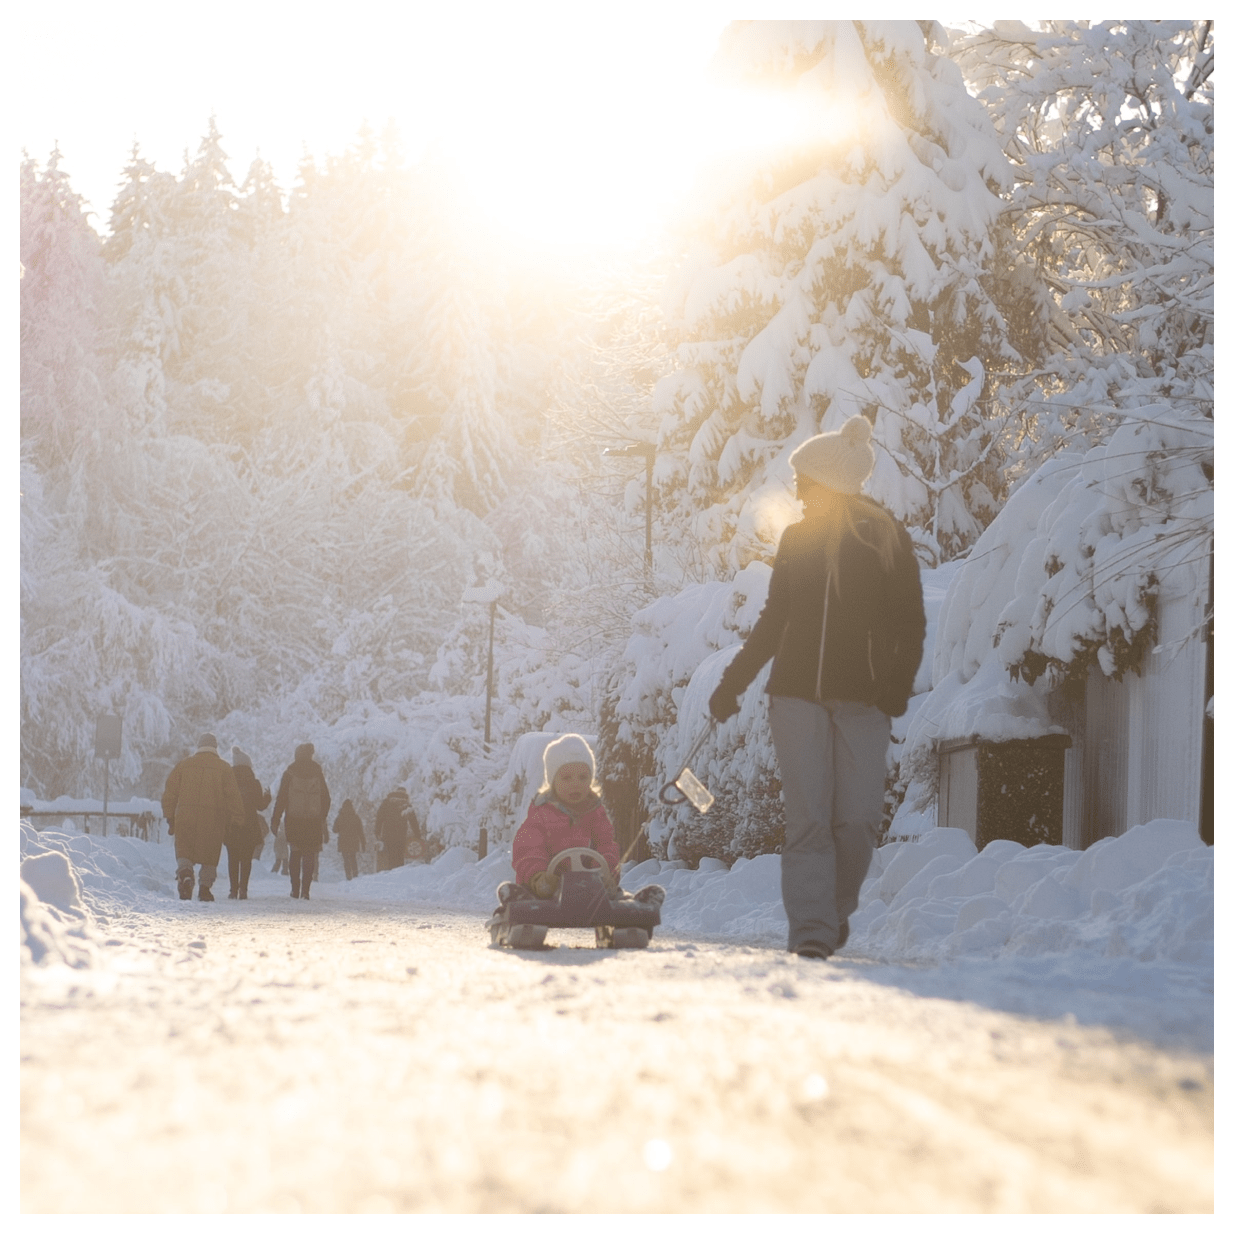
(273, 434)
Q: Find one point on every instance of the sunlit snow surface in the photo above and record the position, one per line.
(1121, 934)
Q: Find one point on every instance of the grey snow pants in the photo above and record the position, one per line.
(833, 767)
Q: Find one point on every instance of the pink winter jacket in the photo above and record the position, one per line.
(549, 830)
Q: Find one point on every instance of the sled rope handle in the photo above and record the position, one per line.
(672, 785)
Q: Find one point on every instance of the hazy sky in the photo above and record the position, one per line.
(565, 118)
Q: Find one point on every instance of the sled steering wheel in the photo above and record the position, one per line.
(575, 858)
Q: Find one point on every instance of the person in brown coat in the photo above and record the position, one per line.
(201, 802)
(304, 801)
(350, 832)
(244, 841)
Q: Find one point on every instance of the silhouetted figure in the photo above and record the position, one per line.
(304, 802)
(843, 626)
(246, 840)
(201, 803)
(350, 832)
(395, 819)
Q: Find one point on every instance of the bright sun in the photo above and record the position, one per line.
(570, 129)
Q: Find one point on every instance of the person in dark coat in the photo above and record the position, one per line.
(843, 626)
(350, 832)
(246, 840)
(395, 818)
(304, 802)
(201, 803)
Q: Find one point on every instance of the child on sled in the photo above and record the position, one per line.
(566, 813)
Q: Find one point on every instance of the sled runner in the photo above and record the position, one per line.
(582, 900)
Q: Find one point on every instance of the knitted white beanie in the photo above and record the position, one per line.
(568, 749)
(841, 461)
(239, 758)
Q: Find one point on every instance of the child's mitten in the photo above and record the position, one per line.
(544, 884)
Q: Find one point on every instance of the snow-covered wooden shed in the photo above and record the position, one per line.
(1084, 613)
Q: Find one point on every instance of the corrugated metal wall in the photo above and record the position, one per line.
(1142, 742)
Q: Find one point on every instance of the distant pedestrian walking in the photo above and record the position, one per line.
(264, 829)
(395, 819)
(246, 840)
(303, 802)
(282, 855)
(201, 803)
(843, 626)
(350, 832)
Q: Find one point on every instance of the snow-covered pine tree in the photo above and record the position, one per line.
(63, 305)
(847, 270)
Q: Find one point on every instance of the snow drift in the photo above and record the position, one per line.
(1146, 895)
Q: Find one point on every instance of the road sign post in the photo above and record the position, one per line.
(106, 747)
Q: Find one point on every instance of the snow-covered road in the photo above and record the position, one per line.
(347, 1055)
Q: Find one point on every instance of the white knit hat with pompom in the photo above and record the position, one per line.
(568, 749)
(841, 461)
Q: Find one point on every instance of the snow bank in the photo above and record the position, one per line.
(454, 879)
(51, 937)
(1145, 896)
(95, 875)
(56, 927)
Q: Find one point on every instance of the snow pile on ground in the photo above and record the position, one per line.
(55, 926)
(455, 879)
(77, 880)
(1147, 894)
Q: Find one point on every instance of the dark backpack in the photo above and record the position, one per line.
(304, 798)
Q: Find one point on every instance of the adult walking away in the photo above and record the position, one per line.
(350, 832)
(245, 841)
(201, 803)
(395, 818)
(304, 802)
(845, 623)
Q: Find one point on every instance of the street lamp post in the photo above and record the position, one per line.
(488, 594)
(644, 450)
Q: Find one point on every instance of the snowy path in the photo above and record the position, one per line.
(337, 1055)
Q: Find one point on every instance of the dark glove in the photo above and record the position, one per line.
(893, 704)
(171, 828)
(544, 885)
(723, 703)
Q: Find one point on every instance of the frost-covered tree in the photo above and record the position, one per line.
(1109, 130)
(847, 270)
(63, 307)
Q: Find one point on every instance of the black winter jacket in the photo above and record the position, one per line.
(255, 798)
(307, 835)
(875, 624)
